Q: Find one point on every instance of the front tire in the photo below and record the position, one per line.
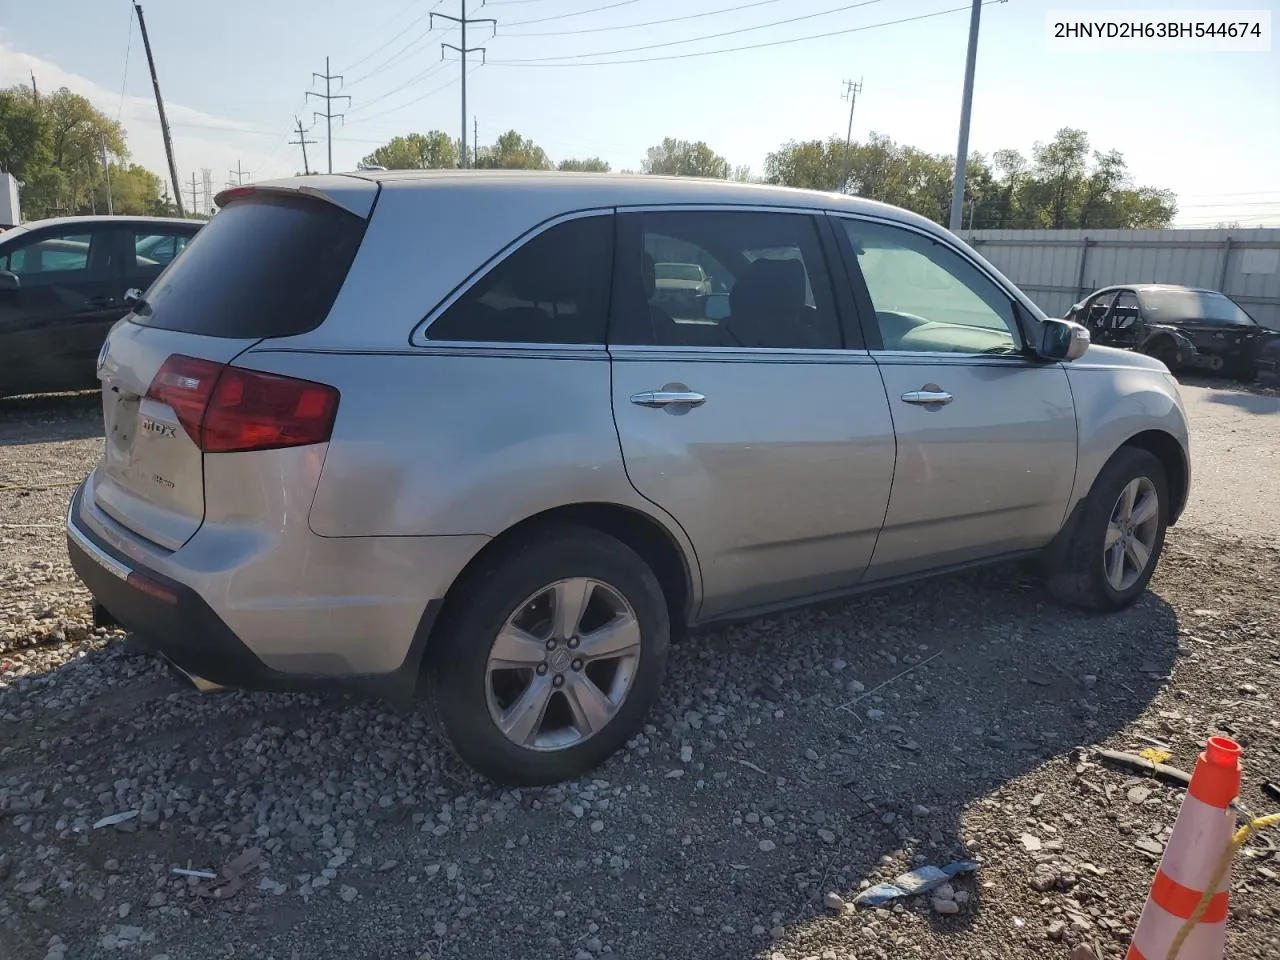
(1105, 559)
(549, 657)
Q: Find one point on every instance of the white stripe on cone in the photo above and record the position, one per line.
(1158, 927)
(1200, 836)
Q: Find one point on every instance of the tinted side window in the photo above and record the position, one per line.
(552, 289)
(724, 278)
(927, 297)
(61, 255)
(154, 250)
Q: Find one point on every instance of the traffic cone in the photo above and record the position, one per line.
(1201, 834)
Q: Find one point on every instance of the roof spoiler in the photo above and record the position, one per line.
(353, 194)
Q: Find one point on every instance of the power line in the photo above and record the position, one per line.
(708, 36)
(648, 23)
(378, 49)
(328, 97)
(399, 54)
(422, 75)
(124, 80)
(462, 21)
(408, 103)
(539, 62)
(578, 13)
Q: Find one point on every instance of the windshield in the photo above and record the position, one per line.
(678, 271)
(1175, 306)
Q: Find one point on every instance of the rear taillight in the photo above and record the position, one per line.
(227, 409)
(185, 384)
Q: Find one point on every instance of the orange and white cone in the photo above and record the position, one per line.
(1201, 834)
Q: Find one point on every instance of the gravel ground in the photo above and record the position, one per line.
(793, 760)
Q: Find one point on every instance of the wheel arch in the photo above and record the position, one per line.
(1166, 448)
(669, 559)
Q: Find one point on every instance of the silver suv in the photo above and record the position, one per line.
(390, 429)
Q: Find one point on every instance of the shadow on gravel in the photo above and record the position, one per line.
(1252, 402)
(49, 418)
(822, 750)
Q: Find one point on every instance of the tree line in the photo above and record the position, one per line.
(1064, 183)
(63, 150)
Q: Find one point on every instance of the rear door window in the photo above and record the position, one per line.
(552, 289)
(58, 258)
(765, 283)
(156, 249)
(265, 266)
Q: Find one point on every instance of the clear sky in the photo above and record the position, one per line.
(234, 74)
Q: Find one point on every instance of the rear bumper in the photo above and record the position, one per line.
(175, 621)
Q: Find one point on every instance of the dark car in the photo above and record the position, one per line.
(1186, 328)
(62, 286)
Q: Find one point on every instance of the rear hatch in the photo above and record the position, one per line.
(270, 264)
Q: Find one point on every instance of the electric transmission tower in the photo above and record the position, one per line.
(328, 97)
(851, 91)
(302, 141)
(237, 176)
(462, 21)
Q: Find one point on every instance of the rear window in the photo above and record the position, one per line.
(263, 267)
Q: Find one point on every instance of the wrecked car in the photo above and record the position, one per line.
(1186, 328)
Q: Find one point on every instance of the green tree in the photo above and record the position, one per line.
(24, 134)
(135, 190)
(513, 152)
(430, 151)
(1063, 187)
(811, 164)
(590, 165)
(683, 158)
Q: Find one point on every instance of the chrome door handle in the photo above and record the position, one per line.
(927, 398)
(665, 398)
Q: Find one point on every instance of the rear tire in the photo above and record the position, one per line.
(549, 657)
(1094, 563)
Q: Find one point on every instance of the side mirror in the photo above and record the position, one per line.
(133, 297)
(1064, 340)
(9, 281)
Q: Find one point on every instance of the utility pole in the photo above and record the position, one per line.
(302, 141)
(328, 97)
(164, 122)
(851, 91)
(206, 174)
(239, 176)
(195, 196)
(463, 50)
(475, 142)
(106, 169)
(966, 106)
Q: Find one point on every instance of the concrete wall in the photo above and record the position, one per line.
(1056, 268)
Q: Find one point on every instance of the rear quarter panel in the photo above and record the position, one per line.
(1119, 395)
(460, 441)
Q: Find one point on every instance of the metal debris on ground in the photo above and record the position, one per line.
(113, 819)
(921, 880)
(231, 876)
(186, 872)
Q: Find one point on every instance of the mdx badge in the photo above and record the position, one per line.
(158, 428)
